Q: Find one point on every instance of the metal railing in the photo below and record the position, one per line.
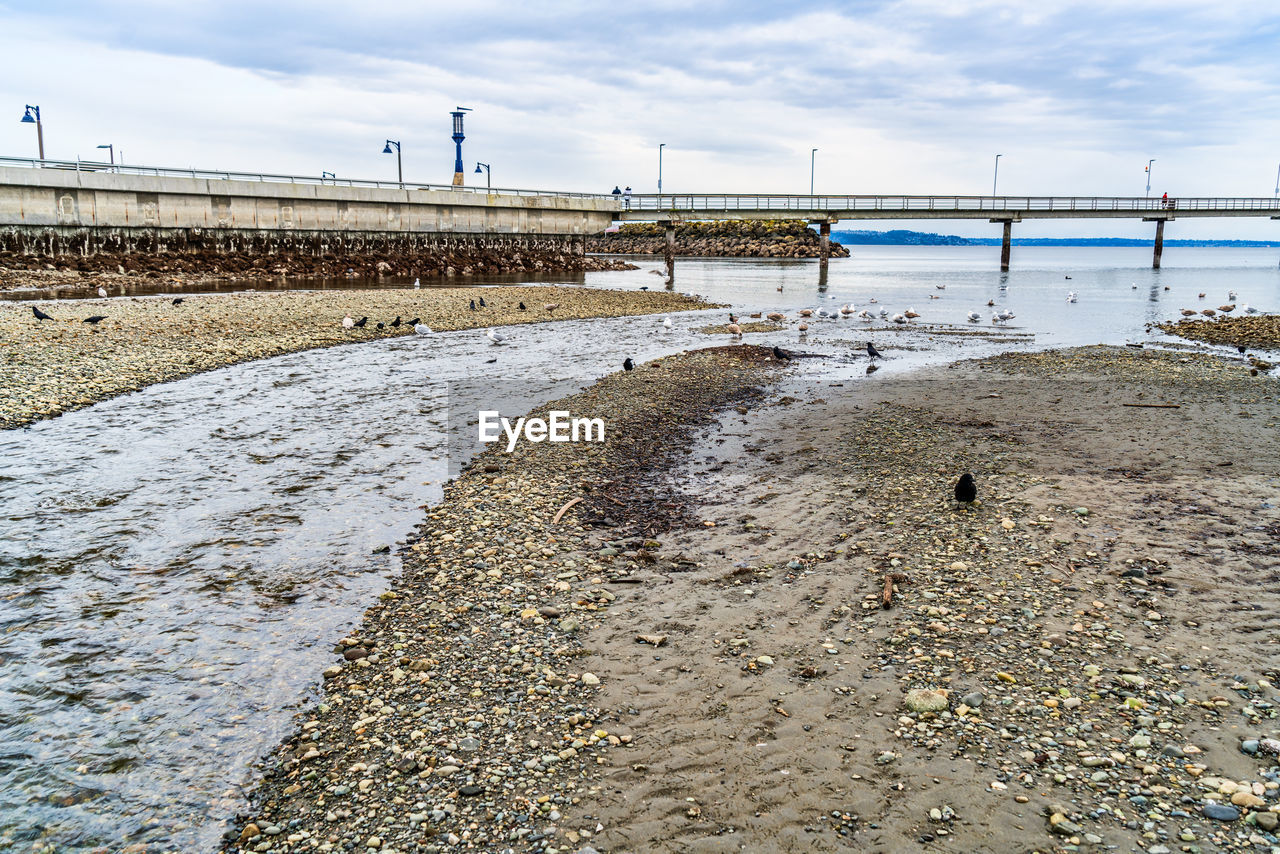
(266, 177)
(684, 202)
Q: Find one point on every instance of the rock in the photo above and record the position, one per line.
(1249, 746)
(250, 831)
(590, 679)
(926, 700)
(1248, 800)
(1267, 820)
(470, 791)
(374, 842)
(973, 699)
(1220, 812)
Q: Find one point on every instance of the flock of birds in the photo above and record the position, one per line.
(478, 304)
(1226, 308)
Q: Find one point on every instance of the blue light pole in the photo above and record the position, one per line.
(399, 165)
(1149, 162)
(488, 183)
(458, 178)
(28, 117)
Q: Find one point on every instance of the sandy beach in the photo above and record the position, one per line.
(54, 366)
(695, 656)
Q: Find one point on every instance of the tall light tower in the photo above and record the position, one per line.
(458, 178)
(1149, 162)
(29, 118)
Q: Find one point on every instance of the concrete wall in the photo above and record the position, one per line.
(65, 199)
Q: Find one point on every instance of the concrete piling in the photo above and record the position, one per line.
(1159, 249)
(1005, 245)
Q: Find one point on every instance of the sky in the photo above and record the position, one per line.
(898, 96)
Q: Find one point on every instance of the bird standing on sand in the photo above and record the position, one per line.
(552, 306)
(494, 336)
(974, 317)
(628, 365)
(482, 305)
(417, 283)
(40, 315)
(382, 325)
(473, 305)
(735, 330)
(781, 355)
(361, 322)
(521, 307)
(395, 324)
(102, 292)
(666, 323)
(966, 489)
(348, 322)
(96, 319)
(421, 328)
(872, 352)
(898, 318)
(178, 301)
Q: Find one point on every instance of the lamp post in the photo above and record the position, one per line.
(111, 151)
(1149, 162)
(399, 165)
(32, 115)
(995, 175)
(488, 184)
(812, 153)
(329, 175)
(660, 147)
(1278, 182)
(458, 178)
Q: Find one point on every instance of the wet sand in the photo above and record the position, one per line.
(54, 366)
(695, 656)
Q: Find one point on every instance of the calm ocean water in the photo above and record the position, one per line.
(175, 564)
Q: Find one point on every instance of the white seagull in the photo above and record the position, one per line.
(1071, 296)
(974, 317)
(494, 336)
(1231, 296)
(1006, 314)
(1248, 309)
(102, 292)
(898, 318)
(417, 283)
(884, 312)
(866, 315)
(422, 329)
(666, 323)
(347, 322)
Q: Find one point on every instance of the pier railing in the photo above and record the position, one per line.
(690, 203)
(266, 177)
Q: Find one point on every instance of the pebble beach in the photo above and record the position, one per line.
(54, 366)
(588, 654)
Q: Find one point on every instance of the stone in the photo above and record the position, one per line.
(1267, 820)
(926, 700)
(1248, 800)
(974, 699)
(590, 679)
(1220, 812)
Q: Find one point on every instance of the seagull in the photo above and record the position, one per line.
(780, 354)
(1133, 286)
(1248, 309)
(473, 305)
(395, 324)
(735, 329)
(1006, 314)
(102, 292)
(1231, 296)
(417, 283)
(884, 312)
(872, 352)
(347, 322)
(846, 309)
(941, 287)
(179, 301)
(1071, 296)
(552, 306)
(40, 315)
(628, 365)
(822, 312)
(974, 317)
(996, 320)
(666, 323)
(898, 318)
(911, 314)
(494, 337)
(966, 489)
(482, 304)
(95, 319)
(866, 316)
(776, 317)
(361, 322)
(422, 329)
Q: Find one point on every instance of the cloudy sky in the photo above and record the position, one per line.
(898, 96)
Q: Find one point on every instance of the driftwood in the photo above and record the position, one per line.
(563, 509)
(1154, 405)
(886, 599)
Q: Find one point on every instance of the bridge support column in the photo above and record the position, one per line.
(1159, 250)
(1005, 246)
(669, 251)
(824, 241)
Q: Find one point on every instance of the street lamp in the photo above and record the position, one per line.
(660, 147)
(330, 175)
(487, 176)
(1278, 182)
(812, 152)
(111, 150)
(1149, 162)
(32, 115)
(399, 165)
(458, 178)
(996, 175)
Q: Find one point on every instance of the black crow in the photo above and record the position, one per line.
(966, 489)
(382, 326)
(628, 365)
(1240, 348)
(361, 322)
(644, 287)
(482, 305)
(40, 315)
(94, 320)
(395, 324)
(781, 355)
(473, 305)
(522, 308)
(413, 322)
(872, 352)
(178, 301)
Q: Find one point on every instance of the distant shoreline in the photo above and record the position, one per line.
(901, 237)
